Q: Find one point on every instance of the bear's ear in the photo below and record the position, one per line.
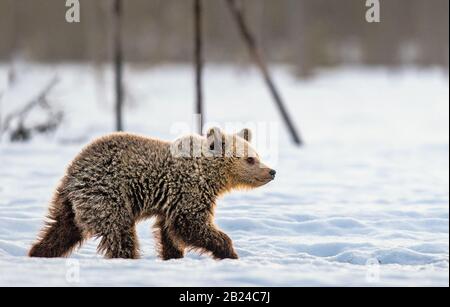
(246, 134)
(215, 139)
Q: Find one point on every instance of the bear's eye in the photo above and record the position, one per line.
(251, 160)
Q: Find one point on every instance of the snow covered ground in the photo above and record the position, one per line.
(364, 203)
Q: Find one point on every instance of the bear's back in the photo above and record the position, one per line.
(117, 157)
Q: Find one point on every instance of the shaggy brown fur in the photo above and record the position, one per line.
(120, 179)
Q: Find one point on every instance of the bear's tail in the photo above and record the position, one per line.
(60, 235)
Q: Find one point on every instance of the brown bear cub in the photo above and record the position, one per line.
(121, 179)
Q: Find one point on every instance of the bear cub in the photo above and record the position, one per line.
(121, 179)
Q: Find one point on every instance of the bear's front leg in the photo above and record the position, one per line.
(219, 244)
(198, 231)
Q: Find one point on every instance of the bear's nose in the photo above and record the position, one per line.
(272, 173)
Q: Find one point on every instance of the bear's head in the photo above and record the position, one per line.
(244, 168)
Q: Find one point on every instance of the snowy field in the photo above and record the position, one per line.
(364, 203)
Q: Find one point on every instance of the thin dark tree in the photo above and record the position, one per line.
(118, 62)
(256, 55)
(198, 59)
(15, 27)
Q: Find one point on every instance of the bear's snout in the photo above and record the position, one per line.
(272, 173)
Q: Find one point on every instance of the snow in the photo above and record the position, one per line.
(364, 203)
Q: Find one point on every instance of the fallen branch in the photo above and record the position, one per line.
(21, 132)
(40, 99)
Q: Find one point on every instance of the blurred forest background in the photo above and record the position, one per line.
(304, 33)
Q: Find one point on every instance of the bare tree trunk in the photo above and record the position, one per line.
(118, 63)
(198, 58)
(1, 117)
(14, 48)
(256, 55)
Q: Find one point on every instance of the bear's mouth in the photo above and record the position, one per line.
(264, 180)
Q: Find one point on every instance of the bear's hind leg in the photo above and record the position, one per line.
(120, 243)
(60, 235)
(109, 219)
(166, 246)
